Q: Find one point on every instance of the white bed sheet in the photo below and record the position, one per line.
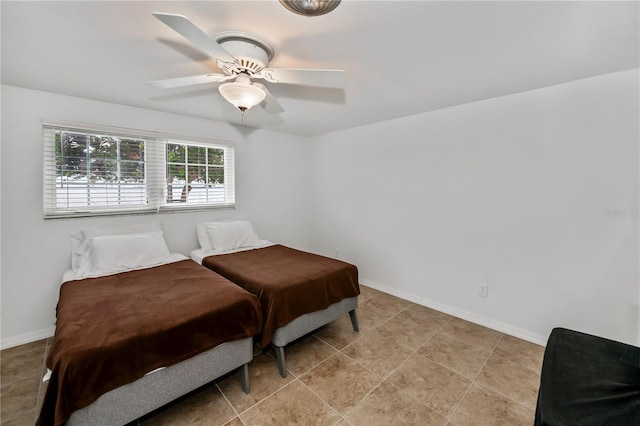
(198, 255)
(70, 274)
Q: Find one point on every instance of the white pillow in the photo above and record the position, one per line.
(110, 254)
(76, 242)
(203, 236)
(79, 237)
(231, 235)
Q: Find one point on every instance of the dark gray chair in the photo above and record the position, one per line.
(587, 381)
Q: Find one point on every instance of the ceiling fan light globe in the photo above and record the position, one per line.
(310, 7)
(242, 96)
(309, 4)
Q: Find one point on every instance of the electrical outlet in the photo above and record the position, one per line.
(484, 290)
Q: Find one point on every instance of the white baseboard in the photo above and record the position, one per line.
(27, 338)
(456, 312)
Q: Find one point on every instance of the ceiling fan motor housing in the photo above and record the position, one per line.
(251, 53)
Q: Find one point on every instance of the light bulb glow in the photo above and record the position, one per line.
(242, 95)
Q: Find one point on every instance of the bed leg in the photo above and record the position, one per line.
(244, 378)
(354, 320)
(280, 358)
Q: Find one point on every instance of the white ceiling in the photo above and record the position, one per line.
(401, 57)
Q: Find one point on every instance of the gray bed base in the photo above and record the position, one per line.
(131, 401)
(309, 322)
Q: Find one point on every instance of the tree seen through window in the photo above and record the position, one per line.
(195, 174)
(99, 170)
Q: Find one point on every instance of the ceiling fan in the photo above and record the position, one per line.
(242, 57)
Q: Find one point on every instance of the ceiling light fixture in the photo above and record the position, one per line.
(241, 93)
(310, 7)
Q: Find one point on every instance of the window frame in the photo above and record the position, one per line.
(155, 169)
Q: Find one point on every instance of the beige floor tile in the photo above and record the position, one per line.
(371, 316)
(264, 380)
(341, 382)
(406, 332)
(304, 354)
(389, 303)
(293, 404)
(205, 407)
(19, 366)
(19, 397)
(234, 422)
(40, 397)
(39, 345)
(367, 293)
(437, 387)
(482, 407)
(511, 380)
(521, 352)
(23, 419)
(454, 354)
(377, 353)
(387, 405)
(338, 333)
(473, 334)
(425, 317)
(49, 346)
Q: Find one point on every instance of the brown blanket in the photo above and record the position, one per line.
(288, 282)
(112, 330)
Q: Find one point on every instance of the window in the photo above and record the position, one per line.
(92, 170)
(97, 170)
(195, 174)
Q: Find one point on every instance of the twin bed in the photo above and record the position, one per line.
(298, 291)
(136, 331)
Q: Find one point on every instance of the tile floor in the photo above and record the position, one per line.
(407, 365)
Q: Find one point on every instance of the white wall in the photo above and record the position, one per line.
(511, 192)
(270, 179)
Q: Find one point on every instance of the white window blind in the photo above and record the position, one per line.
(96, 170)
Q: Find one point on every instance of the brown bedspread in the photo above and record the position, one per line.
(288, 282)
(112, 330)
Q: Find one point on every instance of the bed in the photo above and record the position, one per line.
(128, 342)
(298, 291)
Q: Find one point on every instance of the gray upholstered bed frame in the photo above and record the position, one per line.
(131, 401)
(309, 322)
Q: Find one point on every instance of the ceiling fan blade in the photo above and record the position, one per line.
(269, 104)
(190, 80)
(183, 26)
(319, 78)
